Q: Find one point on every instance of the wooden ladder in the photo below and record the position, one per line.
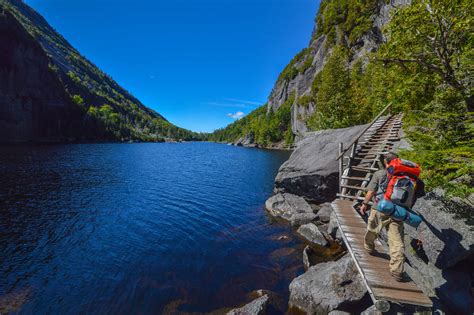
(357, 164)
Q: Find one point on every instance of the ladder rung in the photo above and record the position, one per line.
(351, 197)
(365, 169)
(354, 187)
(363, 158)
(355, 178)
(373, 146)
(390, 136)
(370, 151)
(378, 142)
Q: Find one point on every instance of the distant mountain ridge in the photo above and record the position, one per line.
(50, 92)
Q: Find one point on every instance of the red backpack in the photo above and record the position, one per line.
(402, 177)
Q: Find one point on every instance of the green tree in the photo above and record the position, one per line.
(333, 95)
(438, 36)
(77, 99)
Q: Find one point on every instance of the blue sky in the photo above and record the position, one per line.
(197, 62)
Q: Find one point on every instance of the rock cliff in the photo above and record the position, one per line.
(33, 100)
(354, 25)
(312, 170)
(305, 66)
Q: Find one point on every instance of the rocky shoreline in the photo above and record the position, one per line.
(305, 186)
(248, 142)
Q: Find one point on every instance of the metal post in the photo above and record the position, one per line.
(341, 165)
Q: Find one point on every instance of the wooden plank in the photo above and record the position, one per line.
(403, 297)
(374, 269)
(375, 121)
(363, 158)
(356, 178)
(364, 169)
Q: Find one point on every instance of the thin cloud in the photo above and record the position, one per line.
(235, 103)
(236, 115)
(243, 101)
(152, 77)
(218, 104)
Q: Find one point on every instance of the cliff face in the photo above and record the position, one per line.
(33, 103)
(50, 92)
(299, 76)
(344, 35)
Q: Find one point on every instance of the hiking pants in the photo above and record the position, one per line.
(395, 231)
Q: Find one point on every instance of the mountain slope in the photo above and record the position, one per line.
(49, 91)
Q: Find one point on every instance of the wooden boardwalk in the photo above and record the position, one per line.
(355, 172)
(374, 269)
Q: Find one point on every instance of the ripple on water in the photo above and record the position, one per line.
(122, 228)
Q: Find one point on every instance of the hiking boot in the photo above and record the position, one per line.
(371, 252)
(397, 276)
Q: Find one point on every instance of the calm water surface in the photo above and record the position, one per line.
(138, 228)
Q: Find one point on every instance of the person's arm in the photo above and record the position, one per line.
(368, 197)
(372, 188)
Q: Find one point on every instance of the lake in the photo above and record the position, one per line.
(139, 228)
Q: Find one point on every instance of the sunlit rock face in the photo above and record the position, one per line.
(314, 59)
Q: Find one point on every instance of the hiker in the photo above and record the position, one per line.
(377, 220)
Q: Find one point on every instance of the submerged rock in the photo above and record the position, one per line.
(312, 234)
(312, 169)
(291, 208)
(256, 307)
(327, 287)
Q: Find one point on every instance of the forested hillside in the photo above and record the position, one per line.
(50, 92)
(365, 54)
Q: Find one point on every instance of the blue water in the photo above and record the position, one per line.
(138, 228)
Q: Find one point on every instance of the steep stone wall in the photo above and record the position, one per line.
(318, 51)
(33, 103)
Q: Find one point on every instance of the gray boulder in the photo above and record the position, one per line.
(441, 265)
(332, 226)
(289, 207)
(324, 213)
(312, 234)
(371, 311)
(312, 169)
(306, 259)
(447, 237)
(246, 141)
(327, 287)
(256, 307)
(333, 229)
(338, 236)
